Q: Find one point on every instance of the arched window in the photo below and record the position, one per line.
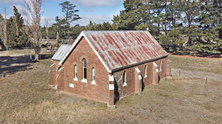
(145, 75)
(160, 66)
(75, 72)
(124, 79)
(93, 74)
(84, 68)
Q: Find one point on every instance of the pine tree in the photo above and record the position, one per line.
(15, 32)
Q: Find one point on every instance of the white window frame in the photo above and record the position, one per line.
(124, 79)
(75, 73)
(84, 76)
(145, 71)
(93, 76)
(160, 66)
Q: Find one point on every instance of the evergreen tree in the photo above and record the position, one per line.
(69, 15)
(15, 33)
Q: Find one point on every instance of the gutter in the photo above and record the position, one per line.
(136, 64)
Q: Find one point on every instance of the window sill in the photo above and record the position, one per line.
(125, 84)
(93, 82)
(71, 85)
(84, 80)
(75, 79)
(145, 76)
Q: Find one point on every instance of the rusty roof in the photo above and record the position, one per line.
(61, 52)
(118, 49)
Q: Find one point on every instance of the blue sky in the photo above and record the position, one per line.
(98, 11)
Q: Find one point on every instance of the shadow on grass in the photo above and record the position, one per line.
(13, 64)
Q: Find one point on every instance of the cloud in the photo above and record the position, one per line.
(10, 1)
(20, 8)
(97, 19)
(50, 20)
(95, 3)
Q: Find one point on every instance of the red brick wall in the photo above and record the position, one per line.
(98, 91)
(151, 78)
(52, 75)
(130, 81)
(60, 80)
(168, 70)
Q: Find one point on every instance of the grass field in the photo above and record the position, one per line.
(187, 98)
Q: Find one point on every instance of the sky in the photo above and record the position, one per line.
(97, 11)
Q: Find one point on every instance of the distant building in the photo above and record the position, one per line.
(106, 66)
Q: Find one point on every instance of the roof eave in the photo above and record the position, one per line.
(136, 64)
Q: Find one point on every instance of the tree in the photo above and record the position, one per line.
(58, 27)
(47, 30)
(4, 21)
(69, 14)
(127, 20)
(33, 17)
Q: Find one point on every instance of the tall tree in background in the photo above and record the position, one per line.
(127, 19)
(5, 28)
(58, 27)
(157, 7)
(1, 26)
(191, 10)
(69, 15)
(47, 30)
(33, 18)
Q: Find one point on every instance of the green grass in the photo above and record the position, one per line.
(25, 98)
(193, 64)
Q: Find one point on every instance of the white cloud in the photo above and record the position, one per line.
(10, 1)
(49, 19)
(95, 3)
(97, 19)
(20, 8)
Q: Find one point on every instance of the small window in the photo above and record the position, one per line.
(145, 75)
(160, 66)
(124, 79)
(84, 69)
(75, 73)
(93, 76)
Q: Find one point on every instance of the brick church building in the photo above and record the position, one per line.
(106, 66)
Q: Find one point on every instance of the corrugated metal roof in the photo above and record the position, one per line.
(61, 52)
(123, 48)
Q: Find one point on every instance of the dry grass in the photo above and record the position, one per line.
(25, 98)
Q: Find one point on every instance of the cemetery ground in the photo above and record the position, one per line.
(193, 95)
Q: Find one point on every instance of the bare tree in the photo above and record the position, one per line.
(33, 17)
(1, 25)
(47, 30)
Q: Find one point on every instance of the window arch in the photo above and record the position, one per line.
(84, 68)
(124, 79)
(145, 70)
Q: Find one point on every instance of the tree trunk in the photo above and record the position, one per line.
(37, 52)
(57, 37)
(47, 33)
